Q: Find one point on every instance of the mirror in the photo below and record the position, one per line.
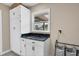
(41, 21)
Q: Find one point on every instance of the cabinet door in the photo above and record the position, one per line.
(29, 48)
(39, 48)
(23, 47)
(15, 30)
(25, 20)
(34, 48)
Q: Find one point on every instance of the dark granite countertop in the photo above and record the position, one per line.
(36, 36)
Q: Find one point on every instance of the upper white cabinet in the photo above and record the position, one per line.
(15, 29)
(23, 15)
(41, 21)
(19, 24)
(25, 20)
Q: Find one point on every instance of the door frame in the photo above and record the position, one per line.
(0, 32)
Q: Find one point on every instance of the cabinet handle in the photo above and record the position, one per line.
(33, 48)
(22, 40)
(33, 42)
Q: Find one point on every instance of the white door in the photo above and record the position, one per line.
(0, 32)
(25, 20)
(15, 30)
(39, 48)
(29, 48)
(23, 47)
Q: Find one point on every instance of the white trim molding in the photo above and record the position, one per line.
(4, 52)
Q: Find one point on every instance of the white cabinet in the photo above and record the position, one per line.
(25, 20)
(15, 30)
(19, 24)
(37, 48)
(34, 48)
(29, 47)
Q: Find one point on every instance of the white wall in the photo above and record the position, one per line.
(5, 27)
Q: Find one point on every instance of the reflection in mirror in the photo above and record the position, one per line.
(41, 22)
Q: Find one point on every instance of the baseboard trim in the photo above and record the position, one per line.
(4, 52)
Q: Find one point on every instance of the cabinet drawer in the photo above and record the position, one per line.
(33, 42)
(39, 43)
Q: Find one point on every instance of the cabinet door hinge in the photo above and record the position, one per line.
(20, 21)
(24, 45)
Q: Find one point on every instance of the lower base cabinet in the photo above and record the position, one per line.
(34, 48)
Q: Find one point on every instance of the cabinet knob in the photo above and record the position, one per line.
(13, 13)
(14, 28)
(33, 48)
(33, 42)
(22, 40)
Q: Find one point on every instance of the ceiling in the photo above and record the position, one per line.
(26, 4)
